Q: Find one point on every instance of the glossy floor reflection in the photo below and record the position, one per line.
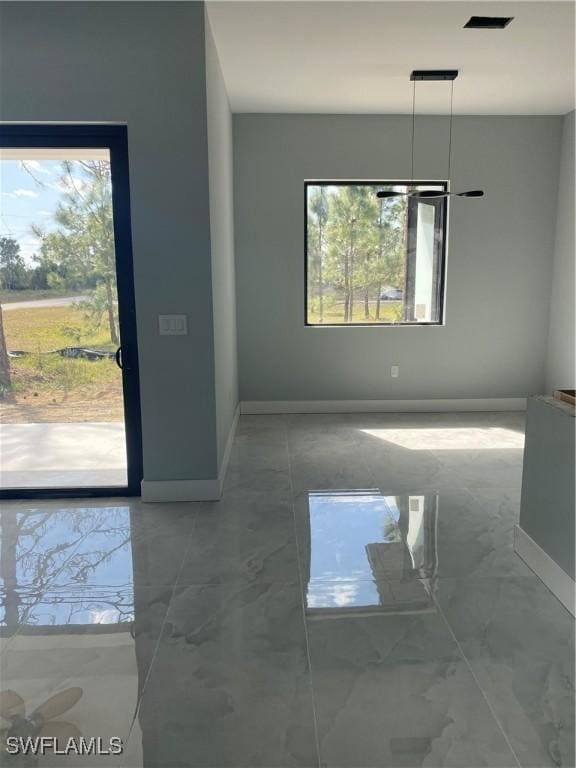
(353, 601)
(370, 552)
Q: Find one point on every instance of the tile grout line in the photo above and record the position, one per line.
(301, 584)
(480, 688)
(161, 631)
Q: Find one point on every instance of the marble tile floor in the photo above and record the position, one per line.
(353, 601)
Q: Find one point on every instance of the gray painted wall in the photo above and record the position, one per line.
(222, 239)
(143, 64)
(499, 260)
(547, 507)
(560, 368)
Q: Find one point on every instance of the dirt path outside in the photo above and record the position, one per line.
(98, 403)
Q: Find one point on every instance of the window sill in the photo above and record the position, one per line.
(375, 325)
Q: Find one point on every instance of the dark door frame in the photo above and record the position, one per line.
(115, 139)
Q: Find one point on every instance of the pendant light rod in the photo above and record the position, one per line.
(431, 75)
(413, 127)
(450, 133)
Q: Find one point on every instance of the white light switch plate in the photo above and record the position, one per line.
(173, 325)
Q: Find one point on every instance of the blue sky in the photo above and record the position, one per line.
(341, 525)
(24, 202)
(87, 574)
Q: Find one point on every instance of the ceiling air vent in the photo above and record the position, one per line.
(488, 22)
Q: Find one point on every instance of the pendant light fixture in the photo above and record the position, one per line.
(431, 75)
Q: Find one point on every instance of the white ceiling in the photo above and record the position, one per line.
(356, 57)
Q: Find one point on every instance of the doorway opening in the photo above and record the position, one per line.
(69, 394)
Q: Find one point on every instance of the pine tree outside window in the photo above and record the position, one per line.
(373, 261)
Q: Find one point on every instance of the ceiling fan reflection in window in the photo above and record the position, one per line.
(431, 75)
(39, 723)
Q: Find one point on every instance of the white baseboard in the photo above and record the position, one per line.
(192, 490)
(547, 569)
(383, 406)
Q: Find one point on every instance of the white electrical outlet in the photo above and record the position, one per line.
(395, 371)
(173, 325)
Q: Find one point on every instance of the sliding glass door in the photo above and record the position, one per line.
(69, 398)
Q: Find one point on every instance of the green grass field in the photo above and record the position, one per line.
(44, 329)
(390, 312)
(41, 329)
